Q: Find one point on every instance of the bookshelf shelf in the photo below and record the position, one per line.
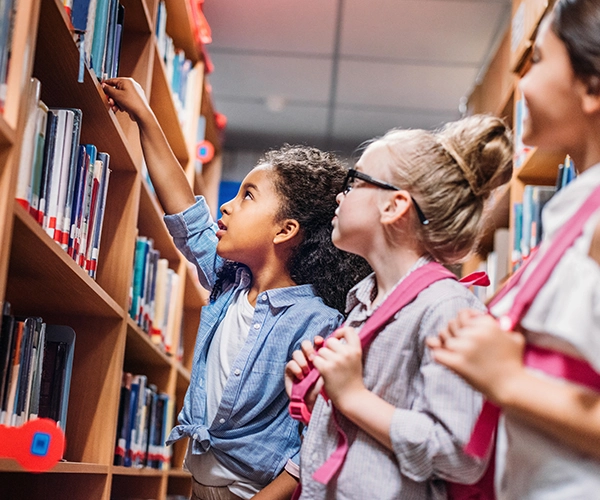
(141, 352)
(9, 465)
(133, 472)
(43, 278)
(179, 28)
(138, 18)
(540, 167)
(39, 278)
(179, 473)
(57, 66)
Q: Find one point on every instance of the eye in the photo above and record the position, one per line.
(535, 57)
(248, 195)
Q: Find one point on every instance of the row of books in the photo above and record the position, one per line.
(528, 228)
(62, 183)
(181, 75)
(98, 31)
(36, 362)
(145, 419)
(153, 294)
(7, 13)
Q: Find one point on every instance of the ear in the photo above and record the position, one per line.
(288, 230)
(591, 99)
(396, 207)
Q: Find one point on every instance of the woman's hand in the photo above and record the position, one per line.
(475, 347)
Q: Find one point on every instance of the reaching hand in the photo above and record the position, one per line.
(125, 94)
(475, 347)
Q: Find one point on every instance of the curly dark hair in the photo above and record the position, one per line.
(308, 180)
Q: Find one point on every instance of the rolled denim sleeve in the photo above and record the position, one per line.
(194, 233)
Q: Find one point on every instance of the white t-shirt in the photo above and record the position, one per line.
(564, 316)
(226, 344)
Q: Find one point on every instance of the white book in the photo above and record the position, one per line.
(28, 144)
(55, 173)
(65, 171)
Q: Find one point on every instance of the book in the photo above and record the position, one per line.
(99, 37)
(6, 343)
(84, 211)
(60, 166)
(79, 187)
(13, 375)
(91, 265)
(7, 14)
(38, 159)
(56, 373)
(123, 419)
(28, 143)
(49, 146)
(66, 204)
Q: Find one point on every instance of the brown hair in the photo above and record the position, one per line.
(577, 24)
(451, 173)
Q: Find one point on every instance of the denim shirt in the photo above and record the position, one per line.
(252, 433)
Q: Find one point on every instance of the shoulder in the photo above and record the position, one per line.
(442, 301)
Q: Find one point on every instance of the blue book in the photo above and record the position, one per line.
(141, 249)
(100, 37)
(132, 410)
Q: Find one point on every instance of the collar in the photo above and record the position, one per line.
(278, 297)
(283, 297)
(364, 292)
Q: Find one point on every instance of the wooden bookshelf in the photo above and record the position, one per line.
(500, 88)
(38, 278)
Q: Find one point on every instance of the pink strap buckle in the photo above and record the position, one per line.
(299, 411)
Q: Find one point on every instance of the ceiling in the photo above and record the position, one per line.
(333, 73)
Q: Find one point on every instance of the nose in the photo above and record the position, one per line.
(339, 197)
(225, 207)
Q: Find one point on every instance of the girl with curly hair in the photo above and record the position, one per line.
(275, 280)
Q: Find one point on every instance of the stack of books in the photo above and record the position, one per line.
(62, 183)
(153, 294)
(145, 420)
(36, 362)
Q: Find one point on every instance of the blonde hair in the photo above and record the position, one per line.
(451, 173)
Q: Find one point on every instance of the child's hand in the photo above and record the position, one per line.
(300, 365)
(125, 94)
(475, 347)
(340, 363)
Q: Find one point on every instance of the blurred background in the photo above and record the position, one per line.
(334, 73)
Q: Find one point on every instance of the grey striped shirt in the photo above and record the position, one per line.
(435, 409)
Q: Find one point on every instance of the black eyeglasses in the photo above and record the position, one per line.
(356, 174)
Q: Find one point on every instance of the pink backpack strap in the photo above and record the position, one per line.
(556, 364)
(404, 294)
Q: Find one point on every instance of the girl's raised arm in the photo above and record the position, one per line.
(168, 178)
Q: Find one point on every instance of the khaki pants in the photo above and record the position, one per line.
(201, 492)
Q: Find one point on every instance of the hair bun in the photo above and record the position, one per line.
(481, 146)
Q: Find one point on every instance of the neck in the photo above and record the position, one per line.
(390, 265)
(588, 154)
(268, 277)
